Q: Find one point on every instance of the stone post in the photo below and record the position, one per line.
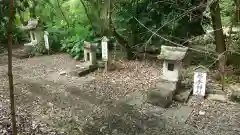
(105, 52)
(90, 53)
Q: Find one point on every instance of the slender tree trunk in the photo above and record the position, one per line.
(219, 38)
(134, 23)
(217, 27)
(237, 10)
(10, 75)
(87, 13)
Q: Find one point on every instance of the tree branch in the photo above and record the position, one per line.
(65, 18)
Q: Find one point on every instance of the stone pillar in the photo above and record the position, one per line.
(90, 53)
(86, 52)
(46, 40)
(93, 58)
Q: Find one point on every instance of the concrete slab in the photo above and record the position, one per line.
(83, 70)
(136, 99)
(178, 115)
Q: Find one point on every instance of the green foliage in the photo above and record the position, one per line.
(70, 22)
(227, 11)
(229, 79)
(73, 46)
(170, 16)
(55, 36)
(73, 43)
(18, 34)
(66, 24)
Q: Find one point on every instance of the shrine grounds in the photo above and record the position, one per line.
(48, 102)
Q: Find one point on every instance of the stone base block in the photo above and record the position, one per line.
(160, 97)
(163, 84)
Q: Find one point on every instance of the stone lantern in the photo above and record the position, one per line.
(165, 89)
(172, 62)
(34, 31)
(36, 34)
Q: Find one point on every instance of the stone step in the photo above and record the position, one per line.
(84, 70)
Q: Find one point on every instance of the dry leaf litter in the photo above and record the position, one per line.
(48, 103)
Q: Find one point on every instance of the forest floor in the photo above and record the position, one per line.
(48, 103)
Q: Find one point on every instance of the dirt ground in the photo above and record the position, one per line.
(48, 103)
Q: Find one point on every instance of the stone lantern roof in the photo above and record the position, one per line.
(172, 53)
(90, 46)
(32, 24)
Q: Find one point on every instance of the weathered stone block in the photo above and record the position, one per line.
(235, 96)
(83, 71)
(178, 115)
(182, 96)
(217, 97)
(135, 99)
(160, 97)
(172, 86)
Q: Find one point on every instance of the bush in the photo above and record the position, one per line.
(73, 46)
(18, 35)
(73, 41)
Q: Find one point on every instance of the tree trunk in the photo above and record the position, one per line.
(10, 75)
(237, 10)
(217, 27)
(120, 39)
(124, 43)
(219, 37)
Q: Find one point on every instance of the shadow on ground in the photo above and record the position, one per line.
(123, 119)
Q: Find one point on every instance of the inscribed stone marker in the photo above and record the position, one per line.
(46, 40)
(105, 48)
(199, 86)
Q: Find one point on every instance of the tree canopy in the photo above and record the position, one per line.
(70, 22)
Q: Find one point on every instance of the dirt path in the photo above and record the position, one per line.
(67, 103)
(48, 96)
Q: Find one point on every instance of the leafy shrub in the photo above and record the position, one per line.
(73, 42)
(18, 34)
(54, 37)
(73, 46)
